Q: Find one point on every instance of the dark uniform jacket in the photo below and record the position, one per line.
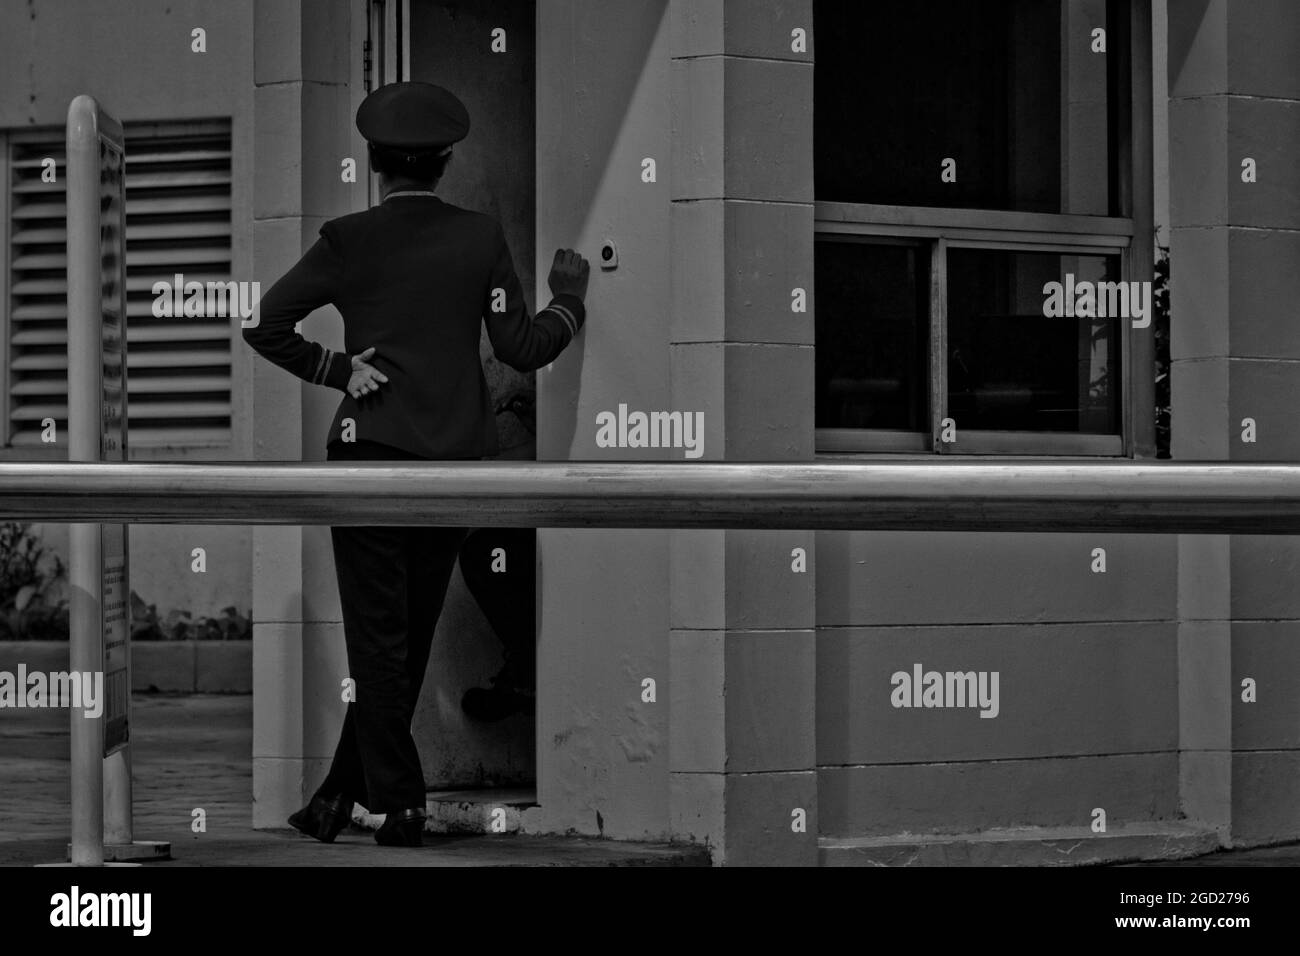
(414, 277)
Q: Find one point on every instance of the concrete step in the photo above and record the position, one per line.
(470, 813)
(467, 811)
(1024, 846)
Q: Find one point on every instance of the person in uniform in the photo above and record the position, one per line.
(414, 278)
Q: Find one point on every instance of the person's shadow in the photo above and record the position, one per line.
(499, 567)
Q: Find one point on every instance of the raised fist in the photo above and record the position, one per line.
(569, 274)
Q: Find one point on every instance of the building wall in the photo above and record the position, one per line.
(1234, 86)
(602, 107)
(307, 85)
(1088, 661)
(1088, 690)
(136, 59)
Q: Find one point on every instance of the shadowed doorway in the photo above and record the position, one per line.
(484, 52)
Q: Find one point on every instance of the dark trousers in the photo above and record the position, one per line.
(392, 582)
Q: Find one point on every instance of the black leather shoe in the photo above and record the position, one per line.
(402, 828)
(322, 818)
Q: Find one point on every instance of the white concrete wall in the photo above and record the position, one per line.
(602, 107)
(136, 59)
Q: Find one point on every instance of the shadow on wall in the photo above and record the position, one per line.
(593, 138)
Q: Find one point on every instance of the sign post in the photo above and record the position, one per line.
(100, 603)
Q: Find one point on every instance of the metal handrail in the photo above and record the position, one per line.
(945, 495)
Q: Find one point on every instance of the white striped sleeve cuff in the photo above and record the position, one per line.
(569, 318)
(322, 366)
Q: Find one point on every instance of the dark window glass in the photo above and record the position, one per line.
(1012, 368)
(1009, 89)
(873, 335)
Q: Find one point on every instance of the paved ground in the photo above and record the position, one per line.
(193, 751)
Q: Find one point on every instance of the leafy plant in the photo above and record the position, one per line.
(33, 603)
(181, 625)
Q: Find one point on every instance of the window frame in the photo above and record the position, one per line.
(1130, 236)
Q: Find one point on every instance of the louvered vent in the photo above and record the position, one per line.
(38, 297)
(178, 221)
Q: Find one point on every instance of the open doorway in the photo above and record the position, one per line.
(484, 53)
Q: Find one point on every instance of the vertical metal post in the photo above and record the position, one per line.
(97, 419)
(85, 637)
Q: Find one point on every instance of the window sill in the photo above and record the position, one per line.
(853, 443)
